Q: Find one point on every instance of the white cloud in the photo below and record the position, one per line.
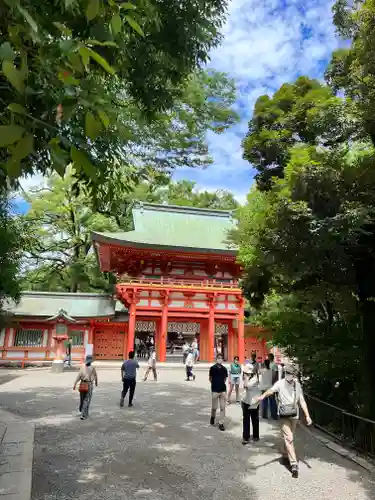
(266, 44)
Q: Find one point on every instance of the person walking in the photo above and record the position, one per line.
(250, 403)
(218, 376)
(86, 377)
(151, 365)
(265, 383)
(189, 366)
(289, 397)
(128, 377)
(69, 345)
(185, 352)
(234, 378)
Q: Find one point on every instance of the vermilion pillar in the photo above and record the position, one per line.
(162, 348)
(163, 334)
(211, 332)
(241, 334)
(131, 330)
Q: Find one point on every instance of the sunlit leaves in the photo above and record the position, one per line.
(92, 126)
(133, 23)
(9, 134)
(14, 76)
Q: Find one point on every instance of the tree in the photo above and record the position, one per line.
(300, 242)
(14, 240)
(352, 69)
(306, 112)
(70, 67)
(61, 255)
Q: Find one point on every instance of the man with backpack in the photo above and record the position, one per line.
(289, 397)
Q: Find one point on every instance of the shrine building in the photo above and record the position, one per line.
(177, 279)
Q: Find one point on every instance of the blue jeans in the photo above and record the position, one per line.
(270, 403)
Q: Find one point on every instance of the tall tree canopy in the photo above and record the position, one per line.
(60, 255)
(69, 68)
(305, 112)
(307, 235)
(14, 241)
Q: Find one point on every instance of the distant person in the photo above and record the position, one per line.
(189, 366)
(218, 376)
(185, 351)
(194, 346)
(254, 361)
(151, 365)
(69, 345)
(266, 382)
(290, 397)
(129, 377)
(86, 377)
(250, 403)
(234, 379)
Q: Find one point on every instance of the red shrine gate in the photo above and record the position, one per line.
(176, 267)
(206, 307)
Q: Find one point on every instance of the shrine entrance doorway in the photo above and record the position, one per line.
(108, 343)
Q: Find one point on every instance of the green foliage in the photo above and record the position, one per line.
(66, 65)
(305, 112)
(14, 239)
(352, 70)
(60, 255)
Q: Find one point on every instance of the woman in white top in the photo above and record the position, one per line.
(266, 374)
(86, 377)
(249, 403)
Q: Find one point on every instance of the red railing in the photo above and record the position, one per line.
(232, 284)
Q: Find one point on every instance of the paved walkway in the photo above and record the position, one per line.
(164, 448)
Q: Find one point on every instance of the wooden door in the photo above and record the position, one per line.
(108, 343)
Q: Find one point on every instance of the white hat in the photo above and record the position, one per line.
(248, 369)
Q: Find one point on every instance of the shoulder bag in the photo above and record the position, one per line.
(289, 410)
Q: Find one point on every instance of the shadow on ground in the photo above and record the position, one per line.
(163, 448)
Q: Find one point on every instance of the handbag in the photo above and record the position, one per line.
(83, 386)
(289, 410)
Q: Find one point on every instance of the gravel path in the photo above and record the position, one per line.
(164, 447)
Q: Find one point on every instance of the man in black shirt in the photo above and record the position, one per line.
(218, 377)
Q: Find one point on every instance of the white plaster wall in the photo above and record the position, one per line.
(220, 306)
(232, 306)
(45, 338)
(36, 354)
(199, 272)
(86, 338)
(177, 303)
(15, 354)
(155, 303)
(143, 302)
(144, 294)
(11, 337)
(177, 271)
(200, 305)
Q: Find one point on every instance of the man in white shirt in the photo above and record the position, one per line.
(189, 366)
(151, 365)
(290, 397)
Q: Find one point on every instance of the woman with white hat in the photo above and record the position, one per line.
(86, 377)
(250, 403)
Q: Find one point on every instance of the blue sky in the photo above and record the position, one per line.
(266, 43)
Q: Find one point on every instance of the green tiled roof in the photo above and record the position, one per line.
(76, 305)
(177, 227)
